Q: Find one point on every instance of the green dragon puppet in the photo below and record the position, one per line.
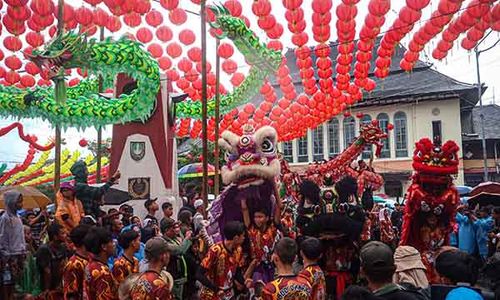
(83, 106)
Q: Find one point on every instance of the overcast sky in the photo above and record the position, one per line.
(460, 64)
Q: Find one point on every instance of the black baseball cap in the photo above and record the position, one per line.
(155, 247)
(377, 257)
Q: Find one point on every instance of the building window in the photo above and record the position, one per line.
(288, 151)
(367, 150)
(317, 140)
(349, 131)
(302, 149)
(333, 137)
(437, 132)
(401, 134)
(383, 121)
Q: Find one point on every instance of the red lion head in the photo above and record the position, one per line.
(433, 159)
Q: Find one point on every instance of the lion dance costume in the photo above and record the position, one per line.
(432, 200)
(252, 166)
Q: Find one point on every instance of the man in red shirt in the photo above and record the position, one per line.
(287, 285)
(222, 265)
(153, 284)
(74, 271)
(99, 283)
(130, 241)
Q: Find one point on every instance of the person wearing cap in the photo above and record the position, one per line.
(69, 210)
(152, 284)
(377, 265)
(152, 207)
(179, 246)
(410, 271)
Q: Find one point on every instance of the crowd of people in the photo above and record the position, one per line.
(82, 252)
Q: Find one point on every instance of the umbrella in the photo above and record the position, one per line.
(378, 199)
(194, 170)
(464, 190)
(486, 193)
(32, 198)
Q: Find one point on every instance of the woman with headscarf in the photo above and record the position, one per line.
(410, 272)
(12, 243)
(69, 209)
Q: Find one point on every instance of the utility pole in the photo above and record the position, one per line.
(479, 95)
(217, 117)
(204, 135)
(57, 81)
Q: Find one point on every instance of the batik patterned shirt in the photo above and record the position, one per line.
(262, 242)
(99, 283)
(73, 276)
(150, 286)
(123, 267)
(289, 287)
(316, 278)
(220, 265)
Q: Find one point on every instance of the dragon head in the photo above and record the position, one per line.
(62, 51)
(250, 157)
(371, 133)
(433, 159)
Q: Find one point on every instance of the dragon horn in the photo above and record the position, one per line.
(213, 8)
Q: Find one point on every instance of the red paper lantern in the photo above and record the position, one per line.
(154, 18)
(144, 35)
(417, 4)
(83, 143)
(229, 66)
(13, 62)
(174, 50)
(169, 4)
(21, 13)
(172, 75)
(177, 16)
(185, 65)
(12, 77)
(155, 49)
(83, 16)
(409, 15)
(261, 8)
(370, 85)
(113, 24)
(237, 79)
(142, 7)
(42, 7)
(165, 63)
(225, 50)
(187, 36)
(27, 80)
(31, 68)
(163, 33)
(100, 17)
(379, 7)
(194, 54)
(13, 43)
(390, 126)
(132, 19)
(234, 7)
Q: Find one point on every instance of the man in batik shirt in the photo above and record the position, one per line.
(287, 285)
(311, 251)
(153, 284)
(99, 283)
(74, 271)
(127, 264)
(221, 266)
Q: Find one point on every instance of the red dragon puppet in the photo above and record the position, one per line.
(250, 173)
(431, 200)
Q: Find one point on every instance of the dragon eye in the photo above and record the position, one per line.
(267, 146)
(419, 154)
(244, 141)
(452, 156)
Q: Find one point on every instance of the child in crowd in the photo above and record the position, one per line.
(286, 285)
(311, 251)
(262, 235)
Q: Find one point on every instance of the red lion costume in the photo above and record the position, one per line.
(432, 199)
